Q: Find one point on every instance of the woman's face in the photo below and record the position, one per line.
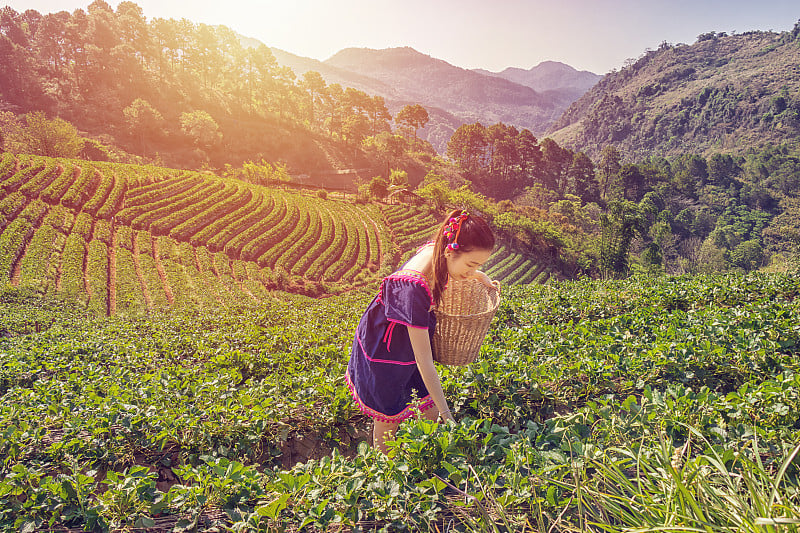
(462, 265)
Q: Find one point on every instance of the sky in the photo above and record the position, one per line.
(594, 35)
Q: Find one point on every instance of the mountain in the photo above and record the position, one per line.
(468, 95)
(549, 76)
(451, 95)
(724, 93)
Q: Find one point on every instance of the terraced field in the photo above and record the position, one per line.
(124, 238)
(130, 238)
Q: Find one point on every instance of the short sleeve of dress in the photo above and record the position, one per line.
(407, 302)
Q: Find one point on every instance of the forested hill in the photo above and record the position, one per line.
(467, 94)
(724, 93)
(182, 94)
(530, 99)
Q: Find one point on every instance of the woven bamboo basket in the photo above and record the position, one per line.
(462, 321)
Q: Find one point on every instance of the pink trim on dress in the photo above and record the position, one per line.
(375, 360)
(418, 278)
(377, 415)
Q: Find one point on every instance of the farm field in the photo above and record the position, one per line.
(669, 403)
(125, 239)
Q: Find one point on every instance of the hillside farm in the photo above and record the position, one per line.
(124, 238)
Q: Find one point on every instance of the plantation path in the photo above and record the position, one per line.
(112, 271)
(160, 269)
(138, 268)
(86, 285)
(60, 267)
(378, 236)
(538, 271)
(218, 275)
(16, 265)
(208, 285)
(241, 285)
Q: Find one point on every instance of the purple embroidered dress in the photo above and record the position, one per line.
(382, 372)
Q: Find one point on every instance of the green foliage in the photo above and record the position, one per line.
(42, 136)
(620, 224)
(259, 173)
(719, 94)
(677, 394)
(201, 127)
(378, 188)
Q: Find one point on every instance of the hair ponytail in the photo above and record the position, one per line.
(460, 232)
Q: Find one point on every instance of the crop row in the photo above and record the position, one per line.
(16, 236)
(281, 241)
(83, 187)
(363, 253)
(305, 263)
(39, 264)
(305, 246)
(334, 252)
(8, 165)
(373, 237)
(21, 177)
(215, 210)
(238, 224)
(279, 224)
(160, 190)
(167, 219)
(59, 187)
(349, 256)
(41, 179)
(503, 270)
(140, 216)
(278, 230)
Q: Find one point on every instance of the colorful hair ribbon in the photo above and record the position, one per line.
(452, 230)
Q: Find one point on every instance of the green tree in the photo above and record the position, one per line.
(747, 255)
(379, 115)
(435, 189)
(556, 162)
(633, 182)
(583, 178)
(413, 117)
(530, 155)
(143, 120)
(355, 128)
(314, 83)
(378, 188)
(468, 148)
(619, 225)
(398, 178)
(609, 167)
(202, 128)
(49, 137)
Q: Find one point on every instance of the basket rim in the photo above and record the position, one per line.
(493, 297)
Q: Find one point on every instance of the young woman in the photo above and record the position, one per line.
(391, 369)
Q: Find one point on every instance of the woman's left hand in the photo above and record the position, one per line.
(483, 278)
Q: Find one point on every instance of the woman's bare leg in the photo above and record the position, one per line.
(381, 432)
(432, 413)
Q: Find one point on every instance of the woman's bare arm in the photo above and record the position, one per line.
(421, 344)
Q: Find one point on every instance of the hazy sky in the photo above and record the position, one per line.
(595, 35)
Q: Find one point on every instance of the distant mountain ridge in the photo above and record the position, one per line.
(452, 95)
(724, 93)
(548, 76)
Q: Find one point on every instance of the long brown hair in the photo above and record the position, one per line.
(473, 233)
